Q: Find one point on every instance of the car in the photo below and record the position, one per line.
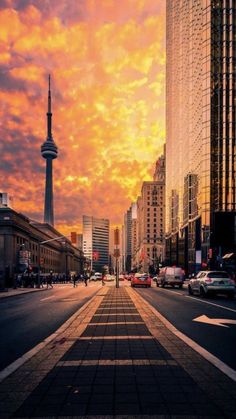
(208, 283)
(96, 277)
(142, 280)
(121, 277)
(170, 275)
(108, 277)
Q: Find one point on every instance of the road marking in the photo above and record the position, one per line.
(172, 291)
(212, 304)
(215, 322)
(194, 345)
(48, 298)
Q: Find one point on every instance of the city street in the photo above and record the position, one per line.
(185, 312)
(28, 319)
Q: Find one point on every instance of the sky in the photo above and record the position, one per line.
(107, 64)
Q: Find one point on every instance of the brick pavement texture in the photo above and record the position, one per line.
(117, 360)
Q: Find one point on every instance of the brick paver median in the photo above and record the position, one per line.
(118, 359)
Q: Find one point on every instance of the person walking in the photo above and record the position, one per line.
(49, 280)
(74, 281)
(86, 279)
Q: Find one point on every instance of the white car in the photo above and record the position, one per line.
(96, 277)
(212, 282)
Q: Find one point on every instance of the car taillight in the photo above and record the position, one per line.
(208, 280)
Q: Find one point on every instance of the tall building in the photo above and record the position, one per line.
(96, 241)
(49, 152)
(201, 132)
(128, 239)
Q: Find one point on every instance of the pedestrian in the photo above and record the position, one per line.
(49, 280)
(74, 280)
(86, 279)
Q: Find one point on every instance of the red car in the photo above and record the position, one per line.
(141, 280)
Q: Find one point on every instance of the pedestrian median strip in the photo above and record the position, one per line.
(108, 368)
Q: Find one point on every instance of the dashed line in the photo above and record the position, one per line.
(48, 298)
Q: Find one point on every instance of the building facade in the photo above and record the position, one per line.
(96, 242)
(200, 145)
(22, 248)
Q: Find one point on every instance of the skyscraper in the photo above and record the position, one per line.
(96, 241)
(49, 152)
(201, 133)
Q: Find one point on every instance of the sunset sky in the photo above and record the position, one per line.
(107, 64)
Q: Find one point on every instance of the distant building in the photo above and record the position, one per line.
(201, 135)
(21, 248)
(5, 200)
(96, 241)
(128, 239)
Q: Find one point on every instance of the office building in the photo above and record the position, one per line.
(96, 241)
(201, 132)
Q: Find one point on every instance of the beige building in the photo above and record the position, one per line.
(149, 228)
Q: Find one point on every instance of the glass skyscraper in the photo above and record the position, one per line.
(96, 241)
(201, 140)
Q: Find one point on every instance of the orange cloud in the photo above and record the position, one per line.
(108, 80)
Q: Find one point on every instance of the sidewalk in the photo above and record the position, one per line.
(117, 359)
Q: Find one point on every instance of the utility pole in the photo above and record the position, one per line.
(117, 253)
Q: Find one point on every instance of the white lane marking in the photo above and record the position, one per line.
(48, 298)
(199, 300)
(207, 355)
(172, 291)
(212, 304)
(215, 322)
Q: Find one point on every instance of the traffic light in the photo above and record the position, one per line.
(95, 255)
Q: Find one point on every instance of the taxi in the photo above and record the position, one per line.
(141, 280)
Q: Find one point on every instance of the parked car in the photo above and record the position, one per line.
(142, 280)
(212, 282)
(96, 277)
(121, 277)
(170, 275)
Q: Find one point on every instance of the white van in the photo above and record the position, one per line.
(170, 275)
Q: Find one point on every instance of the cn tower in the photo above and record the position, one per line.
(49, 152)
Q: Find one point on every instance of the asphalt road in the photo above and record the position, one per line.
(28, 319)
(181, 310)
